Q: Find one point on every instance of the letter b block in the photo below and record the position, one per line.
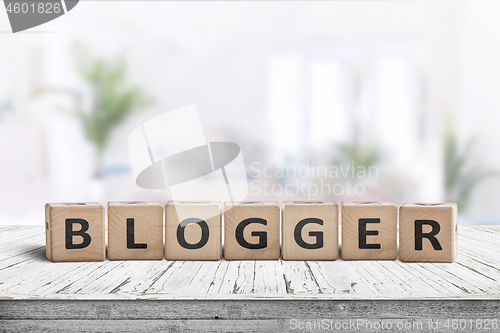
(310, 230)
(74, 231)
(193, 230)
(252, 231)
(428, 232)
(135, 230)
(369, 230)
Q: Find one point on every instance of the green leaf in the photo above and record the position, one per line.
(114, 100)
(461, 178)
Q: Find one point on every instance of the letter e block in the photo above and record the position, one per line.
(369, 230)
(252, 230)
(75, 232)
(310, 230)
(193, 230)
(135, 230)
(428, 232)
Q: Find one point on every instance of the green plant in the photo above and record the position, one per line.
(357, 155)
(113, 102)
(461, 175)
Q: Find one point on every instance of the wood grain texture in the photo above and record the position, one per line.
(234, 214)
(382, 234)
(147, 230)
(258, 309)
(446, 217)
(235, 315)
(417, 324)
(208, 211)
(326, 212)
(25, 273)
(56, 215)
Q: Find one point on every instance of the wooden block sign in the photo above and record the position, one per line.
(135, 230)
(369, 230)
(428, 232)
(74, 232)
(252, 230)
(193, 230)
(310, 230)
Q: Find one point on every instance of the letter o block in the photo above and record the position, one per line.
(428, 232)
(310, 230)
(74, 232)
(193, 230)
(369, 230)
(135, 230)
(252, 230)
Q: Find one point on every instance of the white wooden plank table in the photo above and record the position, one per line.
(253, 295)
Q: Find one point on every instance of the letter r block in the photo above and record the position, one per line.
(428, 232)
(193, 230)
(135, 230)
(252, 230)
(74, 232)
(369, 230)
(310, 230)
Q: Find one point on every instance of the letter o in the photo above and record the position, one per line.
(205, 233)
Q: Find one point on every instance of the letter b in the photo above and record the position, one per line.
(74, 231)
(82, 232)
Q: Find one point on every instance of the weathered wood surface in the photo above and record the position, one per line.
(242, 315)
(217, 326)
(25, 273)
(244, 309)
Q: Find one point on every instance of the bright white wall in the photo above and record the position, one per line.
(216, 55)
(480, 101)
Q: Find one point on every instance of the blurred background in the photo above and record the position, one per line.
(409, 91)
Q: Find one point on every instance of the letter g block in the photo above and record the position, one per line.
(252, 230)
(74, 232)
(310, 230)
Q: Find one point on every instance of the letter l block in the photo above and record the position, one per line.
(74, 232)
(428, 232)
(135, 230)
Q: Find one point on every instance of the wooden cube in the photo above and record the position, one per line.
(310, 230)
(252, 230)
(369, 230)
(75, 232)
(135, 230)
(428, 232)
(193, 230)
